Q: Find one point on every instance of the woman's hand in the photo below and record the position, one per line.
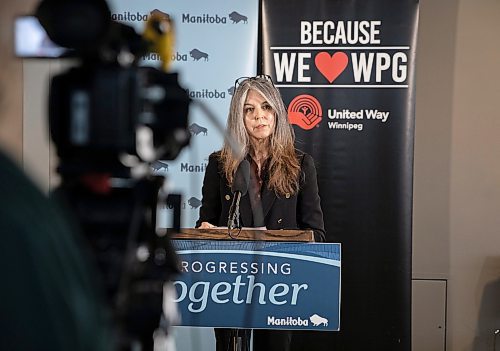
(206, 225)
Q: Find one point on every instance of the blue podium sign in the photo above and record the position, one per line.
(259, 285)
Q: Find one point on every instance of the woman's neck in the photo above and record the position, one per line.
(260, 150)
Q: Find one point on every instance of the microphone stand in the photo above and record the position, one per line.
(238, 340)
(233, 222)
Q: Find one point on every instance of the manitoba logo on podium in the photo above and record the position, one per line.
(315, 319)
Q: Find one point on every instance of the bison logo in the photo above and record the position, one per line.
(197, 54)
(237, 18)
(159, 166)
(196, 129)
(194, 202)
(317, 320)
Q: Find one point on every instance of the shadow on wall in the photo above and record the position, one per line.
(486, 337)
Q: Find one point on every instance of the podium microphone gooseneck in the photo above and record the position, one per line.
(239, 188)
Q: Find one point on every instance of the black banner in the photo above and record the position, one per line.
(346, 70)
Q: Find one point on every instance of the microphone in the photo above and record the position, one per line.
(239, 188)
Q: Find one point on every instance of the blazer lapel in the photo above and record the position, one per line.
(245, 211)
(268, 198)
(246, 214)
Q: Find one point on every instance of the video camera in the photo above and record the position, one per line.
(108, 115)
(109, 106)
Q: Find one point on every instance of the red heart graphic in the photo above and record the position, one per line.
(331, 66)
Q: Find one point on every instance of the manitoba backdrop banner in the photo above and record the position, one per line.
(215, 43)
(346, 71)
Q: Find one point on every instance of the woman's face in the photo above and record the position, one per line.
(259, 116)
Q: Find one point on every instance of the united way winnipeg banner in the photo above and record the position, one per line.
(248, 284)
(346, 72)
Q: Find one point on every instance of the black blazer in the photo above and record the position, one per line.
(299, 211)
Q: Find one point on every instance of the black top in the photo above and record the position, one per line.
(292, 211)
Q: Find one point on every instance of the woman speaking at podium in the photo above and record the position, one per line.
(282, 191)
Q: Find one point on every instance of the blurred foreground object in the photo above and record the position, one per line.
(49, 299)
(110, 120)
(159, 32)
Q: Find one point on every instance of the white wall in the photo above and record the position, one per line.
(474, 297)
(457, 172)
(11, 83)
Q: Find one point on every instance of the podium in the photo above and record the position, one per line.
(259, 279)
(245, 234)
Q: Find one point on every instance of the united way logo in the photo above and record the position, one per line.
(305, 111)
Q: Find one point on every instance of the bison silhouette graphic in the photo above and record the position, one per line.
(196, 129)
(194, 202)
(197, 55)
(159, 166)
(237, 18)
(317, 320)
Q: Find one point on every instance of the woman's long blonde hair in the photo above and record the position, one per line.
(283, 164)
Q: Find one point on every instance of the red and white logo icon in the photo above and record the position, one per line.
(305, 111)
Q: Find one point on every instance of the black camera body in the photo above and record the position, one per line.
(95, 112)
(98, 108)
